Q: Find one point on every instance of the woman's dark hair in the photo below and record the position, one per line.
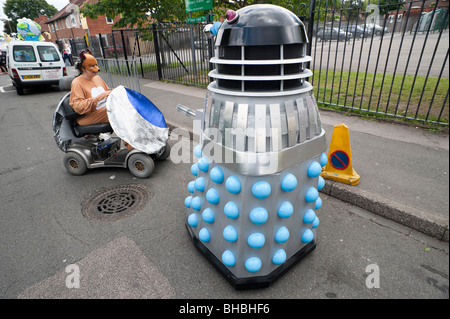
(79, 67)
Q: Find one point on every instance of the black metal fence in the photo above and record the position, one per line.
(384, 57)
(387, 57)
(175, 52)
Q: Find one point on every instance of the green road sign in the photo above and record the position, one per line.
(196, 19)
(198, 5)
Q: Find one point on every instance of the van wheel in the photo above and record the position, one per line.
(19, 90)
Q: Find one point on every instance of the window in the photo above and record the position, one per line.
(24, 53)
(109, 20)
(68, 22)
(74, 21)
(56, 25)
(47, 54)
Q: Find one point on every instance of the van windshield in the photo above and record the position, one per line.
(48, 54)
(23, 53)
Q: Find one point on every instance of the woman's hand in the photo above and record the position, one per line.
(102, 96)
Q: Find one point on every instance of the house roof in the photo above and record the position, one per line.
(66, 11)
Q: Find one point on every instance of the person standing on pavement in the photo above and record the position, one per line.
(66, 57)
(69, 54)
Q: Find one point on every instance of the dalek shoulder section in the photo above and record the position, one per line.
(262, 125)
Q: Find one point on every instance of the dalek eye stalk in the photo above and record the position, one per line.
(253, 201)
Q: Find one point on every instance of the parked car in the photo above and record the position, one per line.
(357, 31)
(376, 29)
(333, 34)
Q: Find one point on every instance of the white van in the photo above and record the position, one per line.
(34, 63)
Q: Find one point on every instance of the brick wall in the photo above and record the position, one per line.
(95, 26)
(99, 25)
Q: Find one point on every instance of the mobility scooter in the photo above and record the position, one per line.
(94, 146)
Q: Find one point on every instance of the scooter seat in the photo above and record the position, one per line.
(82, 130)
(94, 129)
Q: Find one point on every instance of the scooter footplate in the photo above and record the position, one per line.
(118, 159)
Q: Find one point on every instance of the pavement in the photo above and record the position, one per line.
(404, 169)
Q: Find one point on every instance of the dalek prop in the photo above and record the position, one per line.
(251, 207)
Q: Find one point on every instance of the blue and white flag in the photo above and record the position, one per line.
(136, 120)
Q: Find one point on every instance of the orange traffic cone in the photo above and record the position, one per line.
(339, 166)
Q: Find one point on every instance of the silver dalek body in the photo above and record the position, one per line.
(252, 204)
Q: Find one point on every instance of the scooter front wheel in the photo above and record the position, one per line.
(75, 164)
(141, 165)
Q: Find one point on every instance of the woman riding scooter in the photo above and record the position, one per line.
(89, 92)
(103, 111)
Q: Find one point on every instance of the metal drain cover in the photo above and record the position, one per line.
(113, 203)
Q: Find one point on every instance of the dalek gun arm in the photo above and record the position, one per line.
(186, 110)
(195, 114)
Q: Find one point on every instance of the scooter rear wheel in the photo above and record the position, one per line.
(141, 165)
(75, 164)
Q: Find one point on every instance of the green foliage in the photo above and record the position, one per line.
(237, 4)
(17, 9)
(139, 13)
(388, 5)
(136, 13)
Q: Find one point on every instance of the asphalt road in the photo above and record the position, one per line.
(150, 254)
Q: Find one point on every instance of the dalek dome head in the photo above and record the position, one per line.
(261, 48)
(262, 24)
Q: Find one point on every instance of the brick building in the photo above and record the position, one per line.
(69, 24)
(405, 19)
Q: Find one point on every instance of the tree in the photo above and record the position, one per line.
(7, 26)
(384, 6)
(237, 4)
(17, 9)
(138, 13)
(351, 9)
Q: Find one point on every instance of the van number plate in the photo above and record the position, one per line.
(28, 77)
